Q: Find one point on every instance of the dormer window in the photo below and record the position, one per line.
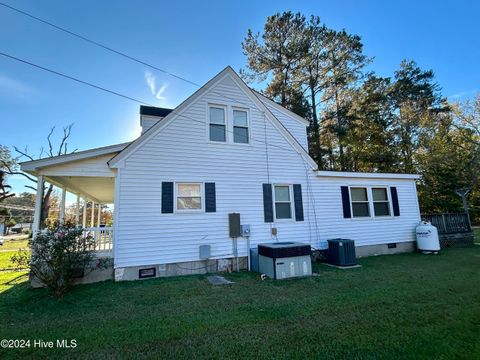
(218, 128)
(240, 127)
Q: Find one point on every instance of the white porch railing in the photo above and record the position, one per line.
(103, 239)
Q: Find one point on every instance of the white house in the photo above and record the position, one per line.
(226, 149)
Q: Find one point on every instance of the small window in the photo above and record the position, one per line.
(240, 127)
(283, 204)
(381, 206)
(217, 124)
(189, 196)
(360, 205)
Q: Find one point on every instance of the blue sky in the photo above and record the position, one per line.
(195, 40)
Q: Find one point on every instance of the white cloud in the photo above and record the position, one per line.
(462, 94)
(152, 85)
(13, 87)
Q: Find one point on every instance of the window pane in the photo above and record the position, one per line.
(282, 193)
(381, 209)
(240, 135)
(240, 118)
(189, 203)
(379, 194)
(217, 132)
(283, 211)
(185, 190)
(360, 209)
(359, 194)
(217, 115)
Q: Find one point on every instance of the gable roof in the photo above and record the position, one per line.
(281, 108)
(31, 166)
(116, 161)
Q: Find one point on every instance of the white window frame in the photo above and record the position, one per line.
(236, 108)
(202, 197)
(363, 202)
(388, 201)
(292, 207)
(225, 112)
(370, 202)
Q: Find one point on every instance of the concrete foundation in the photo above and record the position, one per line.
(178, 269)
(385, 249)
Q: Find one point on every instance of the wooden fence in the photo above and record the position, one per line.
(449, 223)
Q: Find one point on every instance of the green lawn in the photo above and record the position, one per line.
(407, 306)
(477, 235)
(13, 245)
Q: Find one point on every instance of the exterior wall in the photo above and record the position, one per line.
(147, 121)
(296, 128)
(365, 231)
(181, 152)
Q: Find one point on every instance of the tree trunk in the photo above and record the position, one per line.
(45, 206)
(317, 149)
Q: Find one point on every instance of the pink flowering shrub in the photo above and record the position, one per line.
(60, 254)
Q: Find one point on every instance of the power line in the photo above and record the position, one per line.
(112, 50)
(123, 96)
(96, 43)
(73, 78)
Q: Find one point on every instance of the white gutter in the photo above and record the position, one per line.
(364, 175)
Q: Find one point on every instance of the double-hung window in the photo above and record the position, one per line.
(217, 124)
(283, 203)
(360, 203)
(381, 205)
(240, 127)
(189, 196)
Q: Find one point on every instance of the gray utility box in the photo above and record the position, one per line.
(284, 260)
(341, 252)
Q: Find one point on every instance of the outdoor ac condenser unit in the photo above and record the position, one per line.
(341, 252)
(284, 260)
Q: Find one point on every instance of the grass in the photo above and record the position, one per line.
(407, 306)
(14, 245)
(477, 235)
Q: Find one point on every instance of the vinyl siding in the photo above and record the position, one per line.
(181, 152)
(295, 127)
(95, 166)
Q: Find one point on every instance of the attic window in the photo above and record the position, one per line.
(240, 126)
(217, 125)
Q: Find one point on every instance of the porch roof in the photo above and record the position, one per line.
(85, 173)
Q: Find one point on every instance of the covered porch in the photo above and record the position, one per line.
(88, 182)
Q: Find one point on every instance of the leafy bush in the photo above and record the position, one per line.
(60, 254)
(21, 259)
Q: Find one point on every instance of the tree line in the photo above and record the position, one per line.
(361, 121)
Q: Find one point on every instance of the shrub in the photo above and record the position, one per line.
(60, 254)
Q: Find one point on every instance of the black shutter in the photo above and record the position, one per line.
(167, 197)
(267, 203)
(210, 198)
(396, 206)
(297, 198)
(346, 202)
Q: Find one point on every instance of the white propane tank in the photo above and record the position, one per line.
(427, 237)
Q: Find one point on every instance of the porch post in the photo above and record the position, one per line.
(38, 206)
(99, 214)
(77, 211)
(61, 216)
(92, 215)
(84, 215)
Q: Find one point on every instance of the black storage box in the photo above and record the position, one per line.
(341, 252)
